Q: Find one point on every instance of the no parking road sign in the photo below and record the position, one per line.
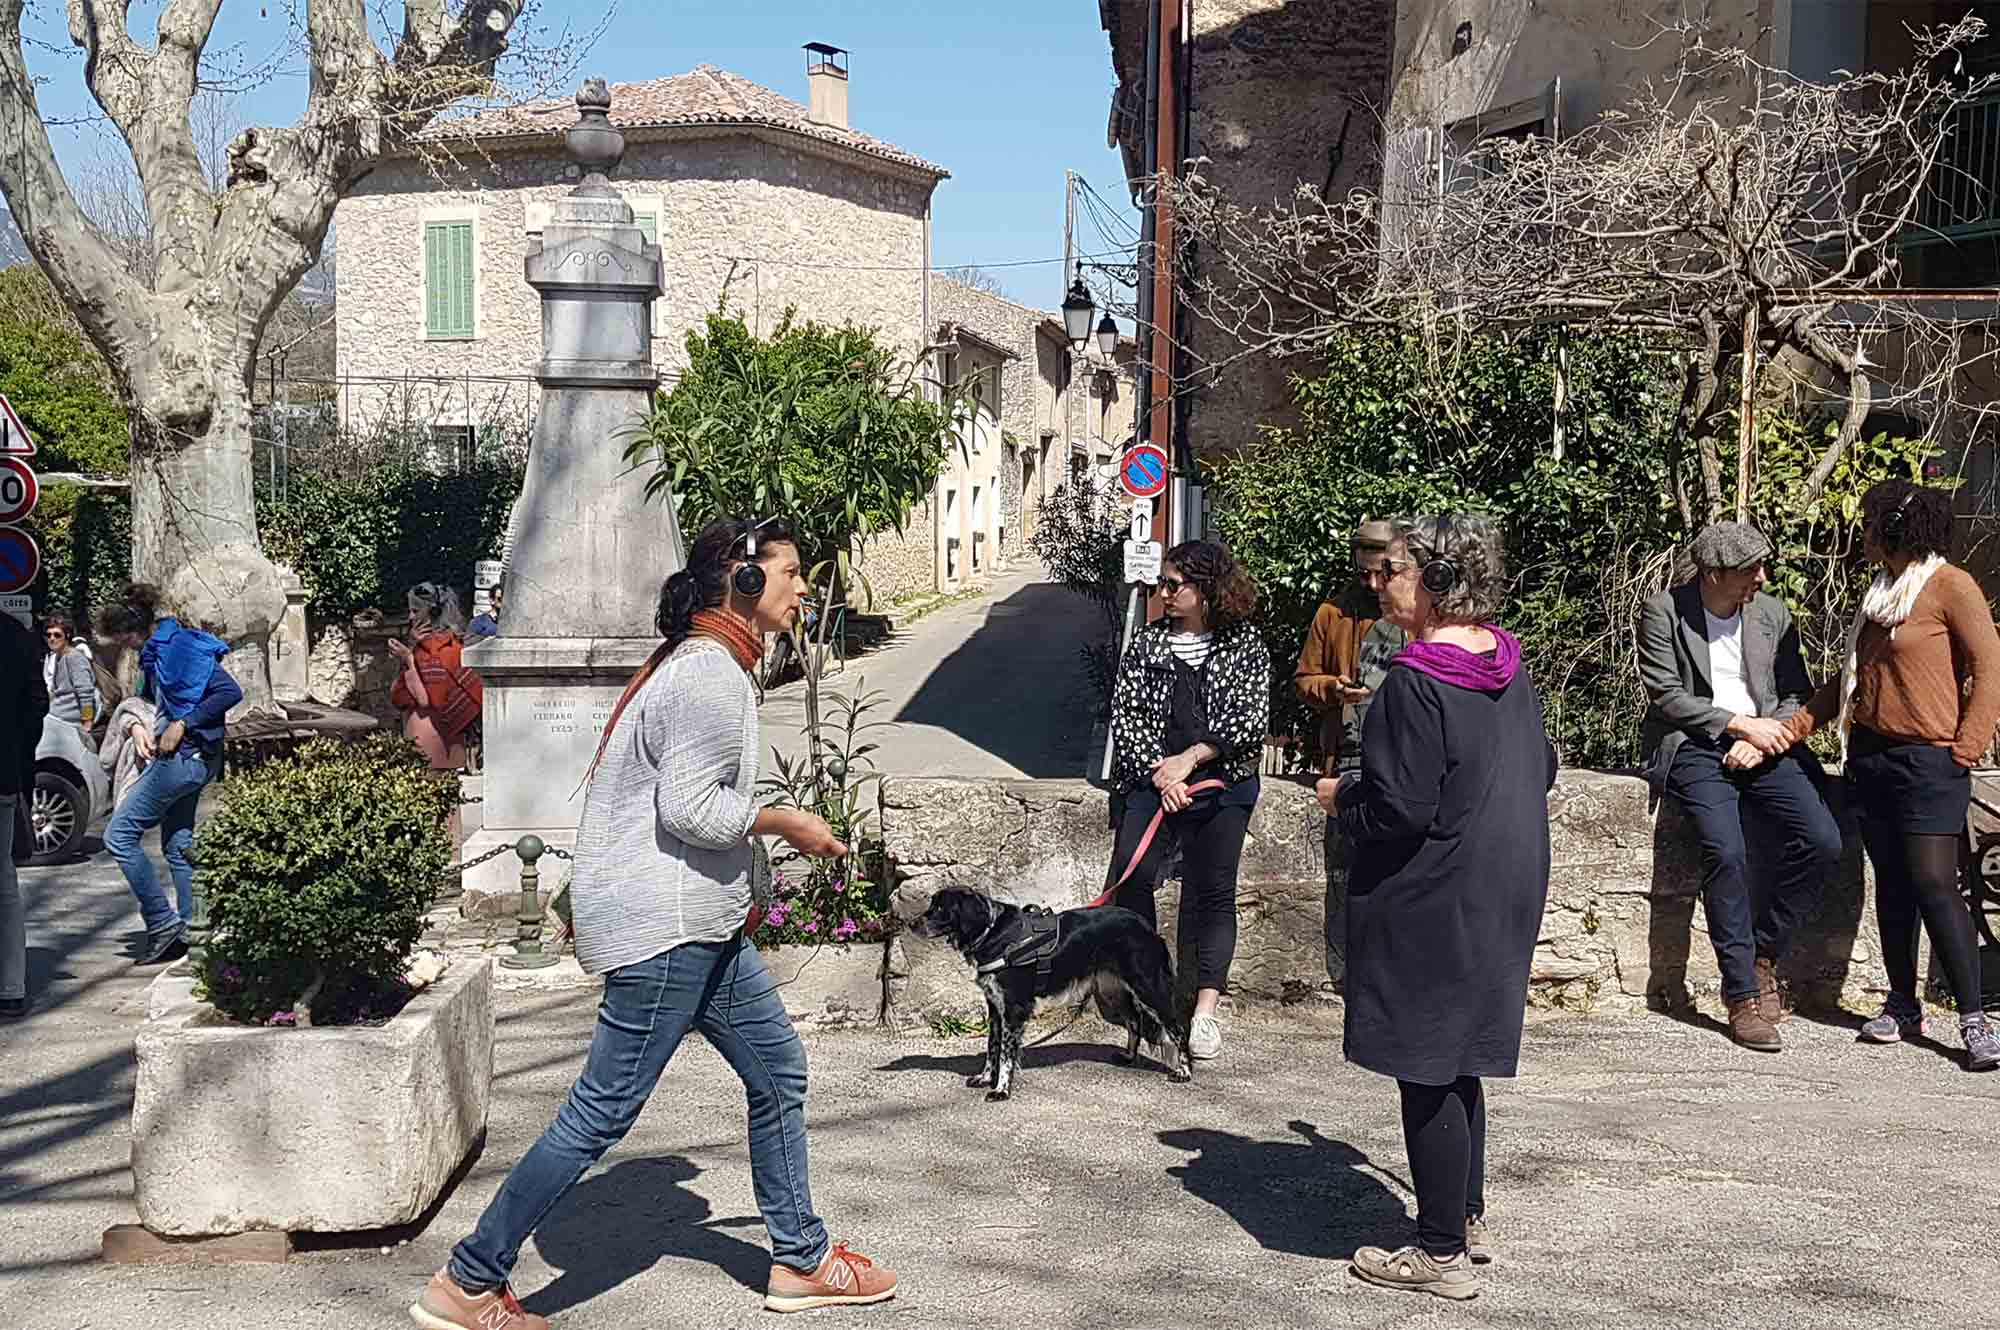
(20, 559)
(1143, 472)
(19, 490)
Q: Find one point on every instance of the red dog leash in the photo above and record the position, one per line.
(1146, 841)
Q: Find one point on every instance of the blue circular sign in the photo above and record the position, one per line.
(20, 559)
(1143, 473)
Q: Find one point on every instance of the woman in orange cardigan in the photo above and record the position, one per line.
(1911, 737)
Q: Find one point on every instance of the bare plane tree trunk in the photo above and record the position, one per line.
(182, 348)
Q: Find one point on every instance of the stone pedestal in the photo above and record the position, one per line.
(589, 551)
(291, 646)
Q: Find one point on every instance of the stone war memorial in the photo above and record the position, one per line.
(589, 551)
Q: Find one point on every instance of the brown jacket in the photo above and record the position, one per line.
(1331, 661)
(1910, 685)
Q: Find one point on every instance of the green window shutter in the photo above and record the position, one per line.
(448, 279)
(649, 223)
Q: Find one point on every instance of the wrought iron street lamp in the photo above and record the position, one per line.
(1107, 335)
(1077, 310)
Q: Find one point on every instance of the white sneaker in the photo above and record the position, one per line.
(1205, 1038)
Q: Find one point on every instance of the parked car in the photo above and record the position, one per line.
(71, 788)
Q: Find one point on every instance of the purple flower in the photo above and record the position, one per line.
(283, 1018)
(230, 974)
(848, 928)
(812, 926)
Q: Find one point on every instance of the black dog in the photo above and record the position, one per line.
(1025, 953)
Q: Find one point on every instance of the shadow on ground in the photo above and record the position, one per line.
(1027, 651)
(618, 1224)
(1266, 1186)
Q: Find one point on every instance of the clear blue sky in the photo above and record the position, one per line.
(1005, 97)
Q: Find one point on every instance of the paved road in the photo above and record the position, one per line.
(1643, 1173)
(986, 687)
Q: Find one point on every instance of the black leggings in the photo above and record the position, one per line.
(1444, 1129)
(1210, 838)
(1917, 877)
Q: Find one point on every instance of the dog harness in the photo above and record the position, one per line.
(1030, 939)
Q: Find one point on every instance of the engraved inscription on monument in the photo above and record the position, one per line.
(558, 727)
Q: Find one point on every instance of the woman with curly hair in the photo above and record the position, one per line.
(1911, 737)
(1188, 720)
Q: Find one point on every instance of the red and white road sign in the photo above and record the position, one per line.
(19, 490)
(15, 441)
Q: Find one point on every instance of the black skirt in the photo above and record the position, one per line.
(1909, 786)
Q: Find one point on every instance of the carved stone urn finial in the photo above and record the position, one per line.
(594, 142)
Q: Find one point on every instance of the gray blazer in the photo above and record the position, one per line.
(1674, 668)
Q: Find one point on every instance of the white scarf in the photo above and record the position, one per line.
(1888, 602)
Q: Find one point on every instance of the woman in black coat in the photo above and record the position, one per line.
(1449, 816)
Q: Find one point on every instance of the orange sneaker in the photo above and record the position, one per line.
(446, 1306)
(845, 1278)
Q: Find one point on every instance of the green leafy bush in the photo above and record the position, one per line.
(317, 871)
(822, 426)
(86, 540)
(57, 382)
(1392, 428)
(359, 541)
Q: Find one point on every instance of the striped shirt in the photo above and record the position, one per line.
(1191, 649)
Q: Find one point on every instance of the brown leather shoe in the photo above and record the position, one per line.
(1769, 1000)
(1748, 1027)
(446, 1306)
(845, 1278)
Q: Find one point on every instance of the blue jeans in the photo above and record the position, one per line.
(164, 796)
(723, 990)
(1784, 790)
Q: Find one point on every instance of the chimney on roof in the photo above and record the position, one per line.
(826, 75)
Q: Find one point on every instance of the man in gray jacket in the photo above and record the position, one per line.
(1722, 670)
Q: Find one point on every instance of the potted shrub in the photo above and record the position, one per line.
(309, 1081)
(826, 924)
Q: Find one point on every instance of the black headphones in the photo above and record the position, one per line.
(1440, 574)
(1897, 520)
(749, 578)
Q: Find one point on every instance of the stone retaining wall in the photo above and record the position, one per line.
(1621, 925)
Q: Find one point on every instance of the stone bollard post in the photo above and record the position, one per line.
(528, 953)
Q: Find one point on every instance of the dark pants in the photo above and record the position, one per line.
(1785, 792)
(1210, 839)
(1444, 1129)
(1913, 799)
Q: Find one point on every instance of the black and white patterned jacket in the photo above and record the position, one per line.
(1236, 696)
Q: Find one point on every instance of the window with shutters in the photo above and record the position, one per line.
(649, 223)
(448, 279)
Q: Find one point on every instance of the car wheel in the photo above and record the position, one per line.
(59, 812)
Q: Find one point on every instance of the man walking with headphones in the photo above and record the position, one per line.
(1722, 670)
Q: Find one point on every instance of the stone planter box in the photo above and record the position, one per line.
(328, 1130)
(830, 985)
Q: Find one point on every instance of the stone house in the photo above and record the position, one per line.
(759, 203)
(1334, 93)
(1054, 411)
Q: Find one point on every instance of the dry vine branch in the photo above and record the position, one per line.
(1724, 188)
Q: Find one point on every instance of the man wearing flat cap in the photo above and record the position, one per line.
(1722, 670)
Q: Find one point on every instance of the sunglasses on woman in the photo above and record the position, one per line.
(1171, 586)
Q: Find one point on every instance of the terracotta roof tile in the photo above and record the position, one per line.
(704, 96)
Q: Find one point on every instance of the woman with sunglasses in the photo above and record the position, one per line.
(66, 670)
(1189, 716)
